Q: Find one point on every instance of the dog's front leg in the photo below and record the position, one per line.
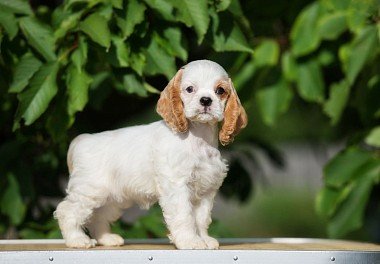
(179, 217)
(203, 220)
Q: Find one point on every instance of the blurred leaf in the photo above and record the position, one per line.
(39, 35)
(79, 56)
(29, 233)
(359, 52)
(289, 66)
(154, 223)
(334, 106)
(350, 215)
(337, 5)
(344, 166)
(310, 82)
(25, 69)
(359, 12)
(326, 57)
(77, 83)
(134, 16)
(332, 25)
(266, 53)
(222, 5)
(138, 61)
(69, 22)
(373, 138)
(16, 6)
(59, 120)
(329, 199)
(226, 35)
(173, 43)
(159, 61)
(193, 13)
(163, 7)
(304, 35)
(105, 11)
(9, 22)
(244, 75)
(274, 101)
(95, 26)
(122, 51)
(133, 85)
(11, 202)
(34, 101)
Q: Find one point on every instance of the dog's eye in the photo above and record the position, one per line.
(219, 90)
(190, 89)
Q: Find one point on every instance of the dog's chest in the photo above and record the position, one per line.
(208, 170)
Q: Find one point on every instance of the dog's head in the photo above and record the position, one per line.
(202, 92)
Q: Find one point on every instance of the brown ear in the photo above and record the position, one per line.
(170, 106)
(235, 118)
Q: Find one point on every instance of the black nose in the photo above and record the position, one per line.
(206, 101)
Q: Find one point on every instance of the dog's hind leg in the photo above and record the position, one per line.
(72, 214)
(99, 225)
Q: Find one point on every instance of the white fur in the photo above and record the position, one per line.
(113, 170)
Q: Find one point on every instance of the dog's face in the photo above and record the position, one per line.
(202, 92)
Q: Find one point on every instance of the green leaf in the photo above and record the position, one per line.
(77, 83)
(343, 167)
(79, 56)
(359, 52)
(34, 101)
(310, 82)
(9, 22)
(134, 16)
(359, 13)
(25, 69)
(59, 120)
(117, 4)
(122, 51)
(40, 36)
(329, 199)
(227, 36)
(163, 7)
(289, 66)
(245, 74)
(16, 6)
(267, 53)
(194, 13)
(69, 22)
(173, 42)
(11, 203)
(134, 85)
(350, 215)
(159, 61)
(335, 5)
(95, 26)
(304, 35)
(332, 25)
(373, 138)
(222, 5)
(138, 61)
(274, 101)
(334, 106)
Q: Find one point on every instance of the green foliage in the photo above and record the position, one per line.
(62, 63)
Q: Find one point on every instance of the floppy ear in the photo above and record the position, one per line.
(170, 106)
(235, 118)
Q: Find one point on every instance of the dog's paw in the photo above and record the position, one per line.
(80, 242)
(111, 240)
(193, 243)
(211, 242)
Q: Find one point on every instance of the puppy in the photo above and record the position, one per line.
(175, 162)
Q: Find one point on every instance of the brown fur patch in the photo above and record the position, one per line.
(235, 118)
(170, 106)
